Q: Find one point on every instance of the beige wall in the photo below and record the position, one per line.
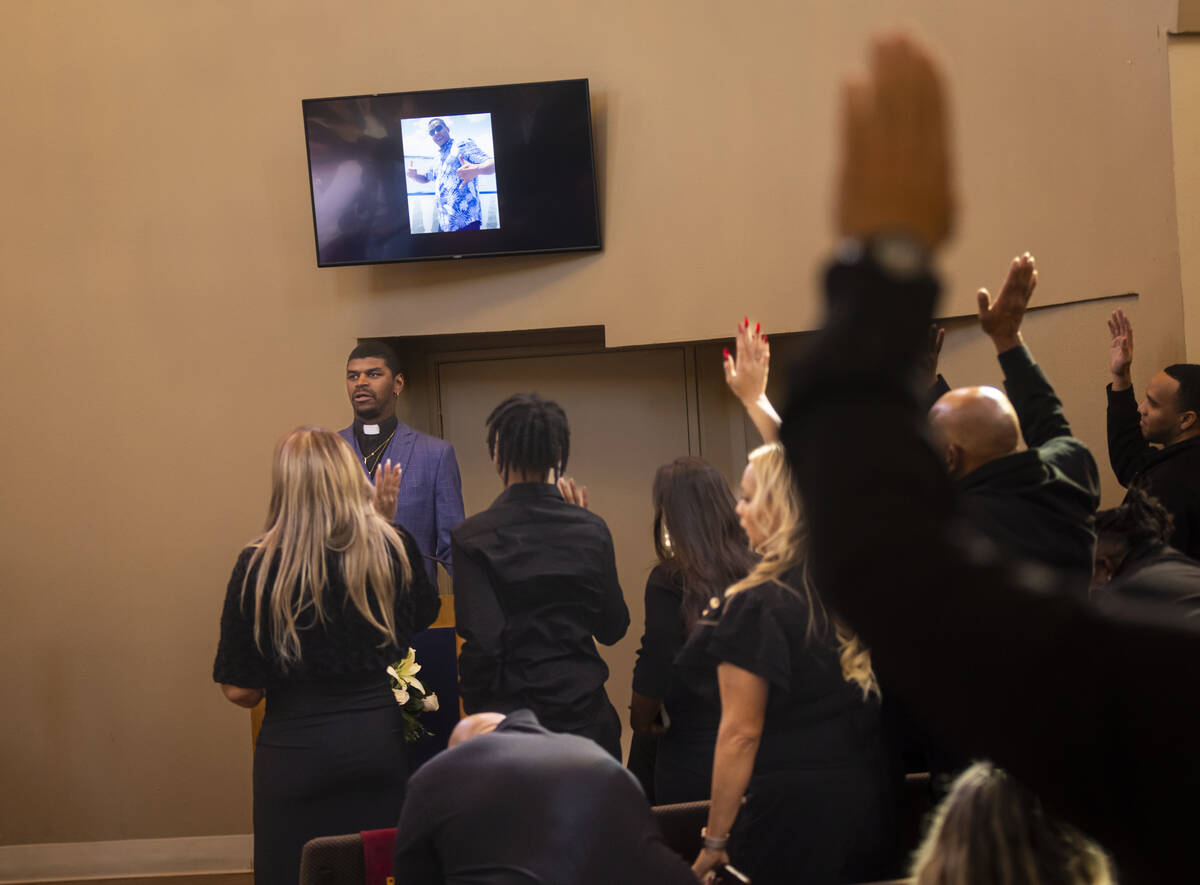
(163, 319)
(1184, 55)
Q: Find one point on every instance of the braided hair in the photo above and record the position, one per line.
(1141, 519)
(528, 434)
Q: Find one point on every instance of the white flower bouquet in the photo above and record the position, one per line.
(411, 695)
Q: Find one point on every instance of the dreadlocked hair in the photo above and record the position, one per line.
(785, 537)
(1141, 519)
(530, 435)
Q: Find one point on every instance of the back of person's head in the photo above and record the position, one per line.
(1187, 399)
(974, 425)
(320, 502)
(784, 538)
(529, 436)
(696, 531)
(1141, 520)
(377, 350)
(990, 830)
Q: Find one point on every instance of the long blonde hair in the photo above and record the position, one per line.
(785, 537)
(321, 502)
(992, 831)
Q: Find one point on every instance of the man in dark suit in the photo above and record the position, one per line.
(420, 470)
(510, 801)
(1156, 445)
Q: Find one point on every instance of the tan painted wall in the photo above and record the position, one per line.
(163, 320)
(1184, 57)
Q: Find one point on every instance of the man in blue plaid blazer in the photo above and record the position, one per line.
(429, 502)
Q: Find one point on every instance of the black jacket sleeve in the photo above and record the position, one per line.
(1127, 448)
(612, 621)
(479, 619)
(1043, 422)
(422, 592)
(238, 661)
(1085, 709)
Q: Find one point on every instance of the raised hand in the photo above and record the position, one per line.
(1120, 350)
(1000, 318)
(896, 173)
(746, 370)
(387, 489)
(571, 493)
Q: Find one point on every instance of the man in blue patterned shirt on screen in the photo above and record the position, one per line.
(458, 164)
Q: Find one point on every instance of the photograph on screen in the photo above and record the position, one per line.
(450, 167)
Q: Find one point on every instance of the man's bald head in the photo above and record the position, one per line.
(473, 726)
(974, 425)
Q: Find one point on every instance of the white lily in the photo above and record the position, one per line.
(405, 672)
(401, 696)
(430, 703)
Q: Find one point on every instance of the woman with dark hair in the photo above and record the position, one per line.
(701, 550)
(535, 579)
(316, 610)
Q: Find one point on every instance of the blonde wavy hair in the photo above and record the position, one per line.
(992, 831)
(321, 502)
(785, 538)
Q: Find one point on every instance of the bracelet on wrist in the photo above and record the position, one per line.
(713, 844)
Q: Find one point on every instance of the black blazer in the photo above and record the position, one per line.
(535, 578)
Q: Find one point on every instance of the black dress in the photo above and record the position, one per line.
(535, 579)
(330, 754)
(818, 806)
(684, 754)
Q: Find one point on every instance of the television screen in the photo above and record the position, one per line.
(452, 173)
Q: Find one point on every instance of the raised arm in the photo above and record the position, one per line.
(1038, 407)
(1127, 447)
(1044, 684)
(746, 374)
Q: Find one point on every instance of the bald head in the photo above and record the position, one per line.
(473, 726)
(974, 425)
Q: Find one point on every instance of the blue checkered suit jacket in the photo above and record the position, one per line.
(430, 501)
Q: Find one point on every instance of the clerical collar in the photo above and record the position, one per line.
(383, 428)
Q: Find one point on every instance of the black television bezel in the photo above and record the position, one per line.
(451, 256)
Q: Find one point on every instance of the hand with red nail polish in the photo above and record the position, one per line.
(746, 375)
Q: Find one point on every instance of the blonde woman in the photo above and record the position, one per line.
(992, 831)
(799, 734)
(315, 611)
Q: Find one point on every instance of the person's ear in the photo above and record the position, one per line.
(397, 384)
(953, 458)
(1187, 421)
(1102, 570)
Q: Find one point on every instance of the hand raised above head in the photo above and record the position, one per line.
(895, 154)
(1000, 318)
(1120, 349)
(746, 370)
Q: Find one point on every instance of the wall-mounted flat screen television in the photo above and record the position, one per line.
(452, 173)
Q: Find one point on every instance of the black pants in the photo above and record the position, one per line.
(330, 760)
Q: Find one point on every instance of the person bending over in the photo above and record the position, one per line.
(1156, 445)
(535, 579)
(702, 549)
(510, 801)
(316, 610)
(799, 735)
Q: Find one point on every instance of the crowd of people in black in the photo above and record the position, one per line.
(943, 597)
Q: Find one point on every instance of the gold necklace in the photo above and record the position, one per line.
(379, 448)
